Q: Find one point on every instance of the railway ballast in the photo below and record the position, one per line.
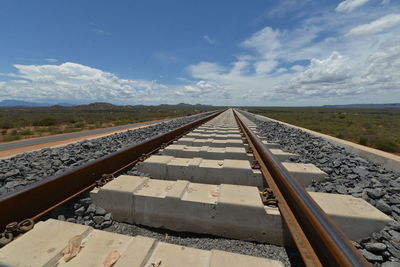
(215, 181)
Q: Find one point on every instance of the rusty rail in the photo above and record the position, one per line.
(318, 239)
(39, 198)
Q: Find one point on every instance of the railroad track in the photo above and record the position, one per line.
(219, 179)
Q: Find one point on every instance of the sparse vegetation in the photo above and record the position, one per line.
(378, 128)
(18, 123)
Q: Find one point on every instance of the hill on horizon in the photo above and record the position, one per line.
(94, 105)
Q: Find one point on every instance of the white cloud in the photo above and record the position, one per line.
(272, 44)
(325, 65)
(350, 5)
(205, 70)
(207, 92)
(240, 67)
(51, 60)
(265, 42)
(337, 75)
(322, 77)
(376, 26)
(283, 7)
(209, 40)
(313, 59)
(204, 89)
(74, 82)
(382, 69)
(297, 68)
(281, 70)
(265, 66)
(330, 70)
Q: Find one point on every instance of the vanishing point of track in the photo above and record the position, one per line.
(319, 241)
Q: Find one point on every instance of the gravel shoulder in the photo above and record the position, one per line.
(27, 168)
(82, 134)
(21, 147)
(348, 174)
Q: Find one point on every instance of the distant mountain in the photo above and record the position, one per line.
(95, 105)
(66, 104)
(390, 105)
(98, 105)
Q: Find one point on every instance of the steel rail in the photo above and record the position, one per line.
(41, 197)
(331, 246)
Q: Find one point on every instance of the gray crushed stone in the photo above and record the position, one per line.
(348, 174)
(81, 210)
(289, 257)
(28, 168)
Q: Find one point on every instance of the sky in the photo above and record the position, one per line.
(259, 52)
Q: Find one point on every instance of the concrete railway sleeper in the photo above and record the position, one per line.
(51, 192)
(205, 182)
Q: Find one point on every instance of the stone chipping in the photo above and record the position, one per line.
(81, 210)
(31, 167)
(348, 174)
(28, 168)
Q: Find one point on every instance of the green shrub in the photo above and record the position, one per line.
(55, 130)
(11, 138)
(387, 145)
(47, 121)
(340, 136)
(363, 141)
(6, 125)
(26, 132)
(80, 124)
(41, 129)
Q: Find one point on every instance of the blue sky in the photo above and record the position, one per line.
(285, 52)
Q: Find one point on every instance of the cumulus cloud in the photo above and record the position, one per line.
(205, 70)
(330, 70)
(281, 70)
(204, 88)
(316, 59)
(265, 66)
(382, 69)
(297, 68)
(315, 62)
(337, 75)
(266, 42)
(350, 5)
(376, 26)
(74, 82)
(326, 76)
(286, 45)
